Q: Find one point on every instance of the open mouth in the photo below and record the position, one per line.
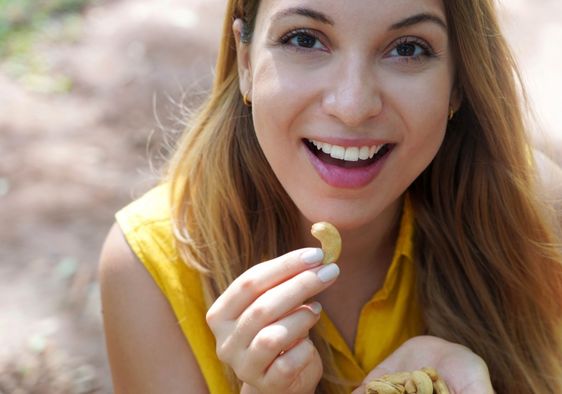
(347, 157)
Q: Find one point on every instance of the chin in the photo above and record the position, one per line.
(346, 219)
(349, 215)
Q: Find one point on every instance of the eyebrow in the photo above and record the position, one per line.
(318, 16)
(419, 18)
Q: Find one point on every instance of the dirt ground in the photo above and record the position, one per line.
(69, 161)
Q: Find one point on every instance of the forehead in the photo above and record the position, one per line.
(356, 13)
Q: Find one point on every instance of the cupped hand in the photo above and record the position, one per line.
(262, 320)
(463, 370)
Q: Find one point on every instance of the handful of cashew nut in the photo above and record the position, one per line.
(329, 238)
(424, 381)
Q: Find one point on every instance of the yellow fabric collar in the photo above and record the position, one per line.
(392, 314)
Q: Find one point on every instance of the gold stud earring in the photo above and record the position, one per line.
(451, 113)
(246, 100)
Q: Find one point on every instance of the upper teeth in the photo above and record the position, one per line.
(352, 153)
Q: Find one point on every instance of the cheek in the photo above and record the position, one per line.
(422, 104)
(424, 135)
(279, 95)
(421, 109)
(280, 81)
(282, 99)
(271, 107)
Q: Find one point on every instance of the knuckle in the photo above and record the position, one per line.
(306, 285)
(286, 370)
(288, 367)
(269, 340)
(224, 351)
(249, 282)
(258, 312)
(221, 352)
(212, 316)
(287, 263)
(289, 260)
(244, 373)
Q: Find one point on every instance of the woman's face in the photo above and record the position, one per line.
(349, 99)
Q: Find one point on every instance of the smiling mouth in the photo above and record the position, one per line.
(347, 157)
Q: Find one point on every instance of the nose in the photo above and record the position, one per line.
(353, 95)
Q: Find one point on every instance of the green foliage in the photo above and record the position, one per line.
(18, 15)
(23, 23)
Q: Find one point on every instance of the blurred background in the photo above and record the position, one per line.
(89, 89)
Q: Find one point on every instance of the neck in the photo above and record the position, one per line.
(367, 253)
(367, 247)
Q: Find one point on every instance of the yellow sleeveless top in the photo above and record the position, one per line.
(391, 316)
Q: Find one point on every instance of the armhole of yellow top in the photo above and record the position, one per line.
(130, 232)
(136, 229)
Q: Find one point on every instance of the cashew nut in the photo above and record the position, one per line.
(330, 239)
(431, 372)
(411, 387)
(440, 387)
(382, 387)
(397, 378)
(423, 382)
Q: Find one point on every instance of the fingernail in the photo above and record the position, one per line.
(329, 272)
(315, 307)
(312, 255)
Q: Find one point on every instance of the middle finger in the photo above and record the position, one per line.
(276, 302)
(258, 279)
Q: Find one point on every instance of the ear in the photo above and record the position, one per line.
(456, 97)
(242, 58)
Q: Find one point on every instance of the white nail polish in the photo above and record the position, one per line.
(315, 307)
(329, 272)
(312, 255)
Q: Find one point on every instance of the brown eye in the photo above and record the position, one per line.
(411, 48)
(406, 49)
(302, 39)
(305, 40)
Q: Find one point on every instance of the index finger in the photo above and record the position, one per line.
(260, 278)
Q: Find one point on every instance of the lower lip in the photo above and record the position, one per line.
(348, 178)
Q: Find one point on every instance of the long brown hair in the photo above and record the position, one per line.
(489, 268)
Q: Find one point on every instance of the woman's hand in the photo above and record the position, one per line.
(462, 370)
(261, 323)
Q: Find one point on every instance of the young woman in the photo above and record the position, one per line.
(397, 121)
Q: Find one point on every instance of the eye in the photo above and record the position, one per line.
(411, 48)
(302, 39)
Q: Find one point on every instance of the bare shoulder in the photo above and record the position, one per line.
(147, 350)
(550, 176)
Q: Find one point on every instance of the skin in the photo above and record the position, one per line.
(350, 86)
(348, 83)
(137, 352)
(463, 370)
(147, 351)
(262, 314)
